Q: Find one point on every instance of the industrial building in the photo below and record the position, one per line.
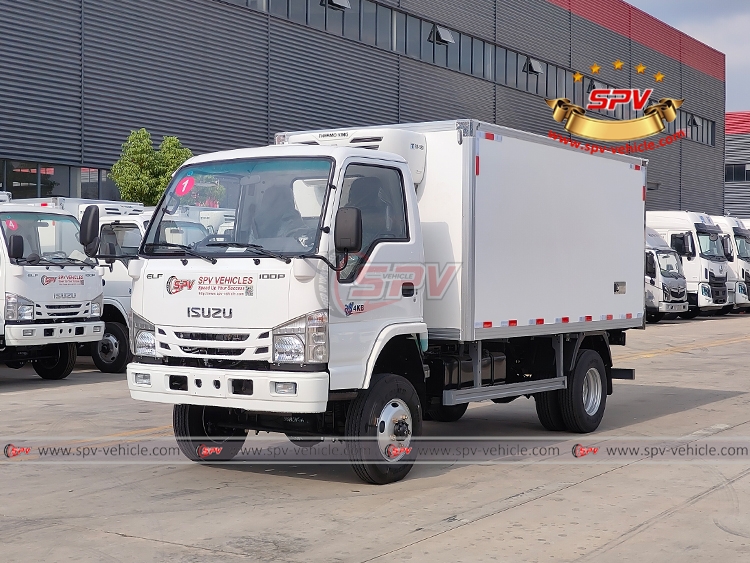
(79, 75)
(737, 172)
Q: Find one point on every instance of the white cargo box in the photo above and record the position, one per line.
(77, 206)
(547, 239)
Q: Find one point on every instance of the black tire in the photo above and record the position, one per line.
(574, 413)
(548, 410)
(446, 413)
(60, 365)
(654, 318)
(200, 438)
(112, 353)
(303, 441)
(15, 365)
(724, 311)
(362, 426)
(689, 314)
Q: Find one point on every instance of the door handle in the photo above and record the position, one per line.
(407, 289)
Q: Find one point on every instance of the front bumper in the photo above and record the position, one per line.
(667, 307)
(311, 397)
(53, 333)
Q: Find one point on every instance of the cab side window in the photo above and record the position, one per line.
(378, 192)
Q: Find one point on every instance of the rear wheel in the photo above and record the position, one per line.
(380, 425)
(61, 363)
(654, 317)
(548, 410)
(583, 401)
(112, 353)
(202, 436)
(447, 413)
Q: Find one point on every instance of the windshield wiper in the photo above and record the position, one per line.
(35, 260)
(252, 248)
(186, 249)
(75, 261)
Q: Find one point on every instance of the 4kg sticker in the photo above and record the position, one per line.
(11, 224)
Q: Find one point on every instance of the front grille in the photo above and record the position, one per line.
(678, 293)
(63, 312)
(213, 351)
(212, 337)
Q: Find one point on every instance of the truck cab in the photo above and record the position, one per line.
(698, 241)
(736, 244)
(666, 288)
(52, 288)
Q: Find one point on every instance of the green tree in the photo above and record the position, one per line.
(143, 173)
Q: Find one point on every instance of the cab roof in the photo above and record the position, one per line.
(31, 208)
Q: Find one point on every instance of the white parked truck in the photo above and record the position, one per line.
(736, 243)
(666, 288)
(77, 206)
(377, 275)
(697, 239)
(52, 289)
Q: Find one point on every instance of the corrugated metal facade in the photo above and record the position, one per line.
(737, 194)
(220, 75)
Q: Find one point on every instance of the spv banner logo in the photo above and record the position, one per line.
(652, 122)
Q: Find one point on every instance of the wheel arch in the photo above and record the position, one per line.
(114, 312)
(398, 350)
(599, 343)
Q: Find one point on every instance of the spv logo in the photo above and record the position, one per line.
(610, 98)
(176, 285)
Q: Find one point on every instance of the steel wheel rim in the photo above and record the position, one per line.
(592, 391)
(394, 430)
(109, 357)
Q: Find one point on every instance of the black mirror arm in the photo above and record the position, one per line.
(328, 262)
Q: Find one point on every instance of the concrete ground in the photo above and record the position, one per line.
(692, 380)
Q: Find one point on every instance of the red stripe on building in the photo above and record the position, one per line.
(737, 122)
(630, 22)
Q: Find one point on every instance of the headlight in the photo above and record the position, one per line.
(96, 306)
(18, 308)
(742, 288)
(303, 340)
(706, 291)
(142, 337)
(665, 289)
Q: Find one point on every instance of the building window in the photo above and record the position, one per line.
(335, 19)
(352, 21)
(89, 183)
(500, 65)
(297, 11)
(261, 5)
(413, 37)
(277, 7)
(107, 187)
(369, 22)
(737, 173)
(23, 179)
(385, 20)
(54, 180)
(316, 14)
(399, 32)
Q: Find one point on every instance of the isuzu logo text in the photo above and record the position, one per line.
(208, 313)
(610, 98)
(176, 285)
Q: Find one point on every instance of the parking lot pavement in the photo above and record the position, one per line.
(692, 381)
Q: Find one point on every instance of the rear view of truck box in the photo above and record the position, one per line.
(547, 239)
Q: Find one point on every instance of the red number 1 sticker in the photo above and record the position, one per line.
(185, 186)
(11, 224)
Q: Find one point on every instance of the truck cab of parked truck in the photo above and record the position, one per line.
(52, 288)
(736, 244)
(666, 288)
(698, 241)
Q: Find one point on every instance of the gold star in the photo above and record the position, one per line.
(618, 64)
(595, 68)
(577, 77)
(659, 77)
(640, 69)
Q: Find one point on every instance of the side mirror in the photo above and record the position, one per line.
(726, 243)
(109, 250)
(689, 246)
(15, 246)
(90, 230)
(650, 265)
(678, 243)
(348, 230)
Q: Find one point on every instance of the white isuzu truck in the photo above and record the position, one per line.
(376, 276)
(736, 244)
(666, 289)
(52, 289)
(697, 239)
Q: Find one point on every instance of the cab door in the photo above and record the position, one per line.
(382, 284)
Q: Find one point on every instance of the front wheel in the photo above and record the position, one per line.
(447, 413)
(380, 425)
(60, 365)
(582, 403)
(112, 353)
(203, 434)
(724, 311)
(654, 317)
(689, 314)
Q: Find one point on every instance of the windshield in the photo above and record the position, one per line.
(239, 207)
(743, 247)
(670, 264)
(50, 236)
(711, 245)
